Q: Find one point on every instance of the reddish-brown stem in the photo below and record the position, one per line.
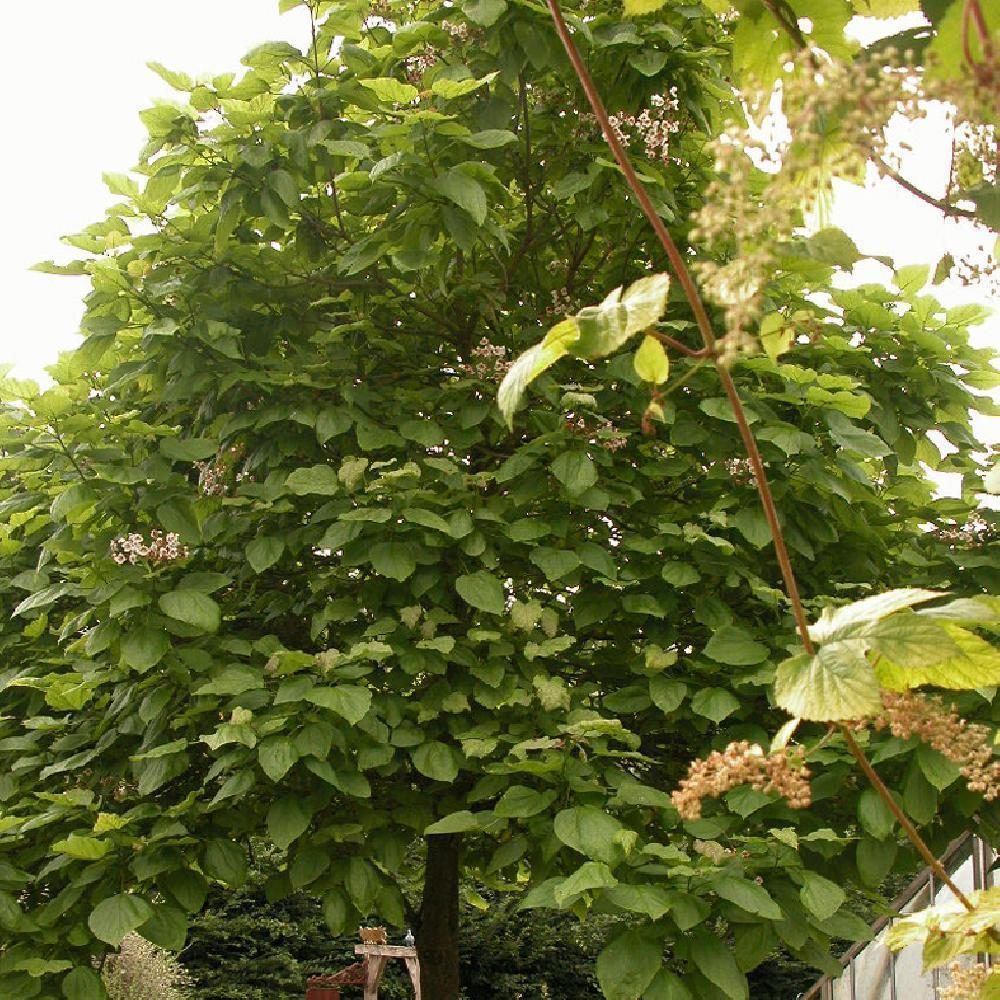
(749, 442)
(665, 338)
(700, 314)
(908, 828)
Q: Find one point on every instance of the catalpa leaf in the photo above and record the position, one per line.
(532, 363)
(837, 683)
(841, 623)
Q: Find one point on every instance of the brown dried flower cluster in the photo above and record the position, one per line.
(967, 744)
(488, 361)
(966, 981)
(161, 548)
(742, 763)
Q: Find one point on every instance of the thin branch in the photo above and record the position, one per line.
(942, 206)
(908, 828)
(700, 314)
(749, 442)
(665, 338)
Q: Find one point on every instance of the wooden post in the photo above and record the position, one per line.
(376, 956)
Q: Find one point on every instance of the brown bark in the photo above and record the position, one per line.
(437, 932)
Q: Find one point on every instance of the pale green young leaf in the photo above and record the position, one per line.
(605, 327)
(837, 683)
(532, 363)
(976, 665)
(849, 620)
(390, 90)
(911, 641)
(651, 362)
(637, 8)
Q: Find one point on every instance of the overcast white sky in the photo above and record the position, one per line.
(82, 79)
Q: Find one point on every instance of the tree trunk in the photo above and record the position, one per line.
(437, 935)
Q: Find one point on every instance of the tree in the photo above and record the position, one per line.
(285, 571)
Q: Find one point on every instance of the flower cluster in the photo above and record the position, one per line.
(563, 304)
(966, 981)
(161, 548)
(488, 361)
(929, 719)
(605, 434)
(653, 127)
(212, 478)
(415, 66)
(742, 763)
(974, 534)
(800, 150)
(141, 971)
(740, 471)
(460, 32)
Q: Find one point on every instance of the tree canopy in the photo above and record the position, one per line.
(276, 566)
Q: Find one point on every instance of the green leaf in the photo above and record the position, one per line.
(391, 91)
(82, 848)
(520, 802)
(837, 683)
(606, 327)
(490, 138)
(350, 702)
(393, 559)
(651, 362)
(84, 984)
(874, 815)
(730, 644)
(464, 191)
(436, 760)
(636, 8)
(591, 832)
(188, 888)
(716, 963)
(144, 647)
(277, 756)
(667, 986)
(874, 859)
(318, 479)
(167, 928)
(263, 553)
(748, 896)
(667, 693)
(821, 897)
(117, 916)
(485, 12)
(457, 822)
(449, 89)
(575, 470)
(590, 875)
(628, 964)
(714, 703)
(776, 335)
(850, 620)
(532, 363)
(287, 819)
(482, 590)
(225, 861)
(189, 449)
(652, 901)
(192, 608)
(976, 665)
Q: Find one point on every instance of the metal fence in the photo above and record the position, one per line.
(872, 972)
